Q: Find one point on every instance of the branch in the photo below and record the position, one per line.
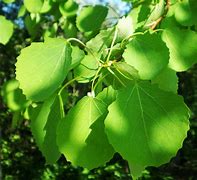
(154, 24)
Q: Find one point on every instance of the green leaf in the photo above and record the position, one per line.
(104, 38)
(97, 150)
(182, 47)
(68, 8)
(167, 80)
(108, 95)
(55, 11)
(70, 30)
(47, 5)
(129, 72)
(51, 32)
(21, 11)
(139, 14)
(74, 134)
(16, 119)
(101, 40)
(13, 96)
(183, 13)
(146, 125)
(119, 74)
(116, 54)
(33, 6)
(44, 121)
(91, 18)
(39, 116)
(193, 8)
(42, 67)
(8, 1)
(134, 15)
(50, 148)
(86, 70)
(148, 54)
(32, 26)
(125, 27)
(156, 13)
(6, 32)
(77, 56)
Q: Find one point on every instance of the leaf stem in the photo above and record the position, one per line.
(106, 40)
(95, 77)
(60, 97)
(100, 80)
(112, 44)
(61, 106)
(67, 84)
(88, 49)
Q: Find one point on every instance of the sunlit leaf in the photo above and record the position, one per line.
(182, 46)
(167, 80)
(21, 11)
(49, 147)
(101, 41)
(87, 69)
(8, 1)
(6, 30)
(44, 121)
(146, 125)
(96, 147)
(77, 56)
(43, 72)
(76, 134)
(47, 5)
(39, 116)
(108, 95)
(33, 6)
(147, 57)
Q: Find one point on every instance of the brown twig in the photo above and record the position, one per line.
(167, 5)
(155, 23)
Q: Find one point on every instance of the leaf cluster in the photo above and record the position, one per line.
(129, 69)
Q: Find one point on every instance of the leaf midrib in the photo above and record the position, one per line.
(143, 121)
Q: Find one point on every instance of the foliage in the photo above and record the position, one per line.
(131, 106)
(8, 30)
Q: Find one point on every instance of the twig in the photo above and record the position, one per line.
(155, 23)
